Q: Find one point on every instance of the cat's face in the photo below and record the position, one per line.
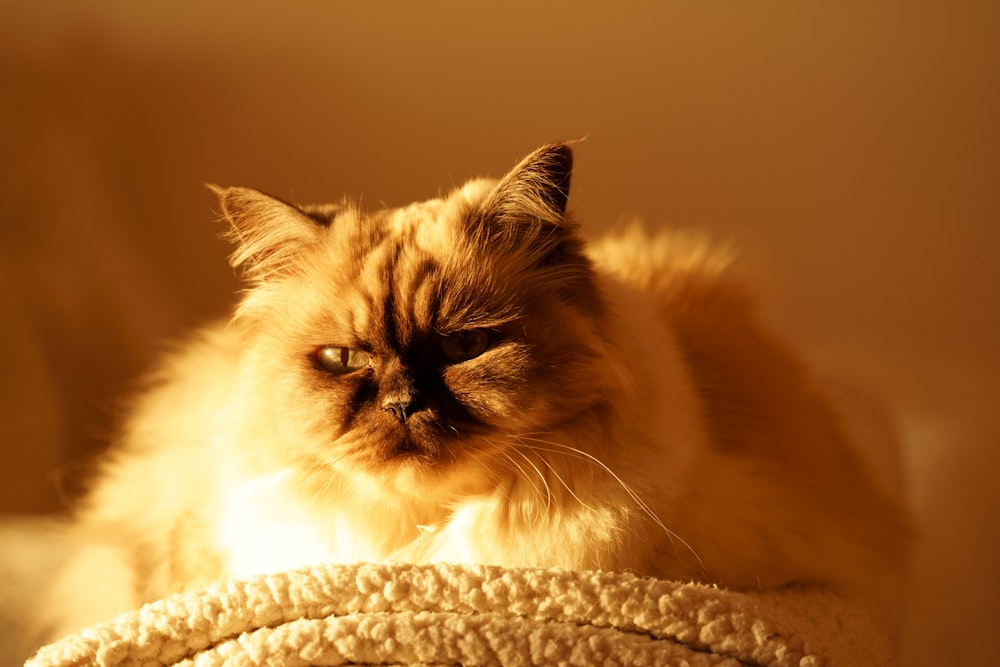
(423, 340)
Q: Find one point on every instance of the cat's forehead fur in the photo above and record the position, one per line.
(477, 257)
(434, 225)
(399, 273)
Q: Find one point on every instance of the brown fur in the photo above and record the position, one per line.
(627, 412)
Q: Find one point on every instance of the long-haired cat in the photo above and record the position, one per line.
(465, 380)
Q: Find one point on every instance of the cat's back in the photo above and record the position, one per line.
(775, 430)
(688, 273)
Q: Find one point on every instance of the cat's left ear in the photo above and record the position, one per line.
(269, 234)
(538, 186)
(526, 211)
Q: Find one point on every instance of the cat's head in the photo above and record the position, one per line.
(419, 341)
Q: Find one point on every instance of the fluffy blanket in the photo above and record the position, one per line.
(471, 615)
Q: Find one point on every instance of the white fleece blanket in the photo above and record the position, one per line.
(376, 614)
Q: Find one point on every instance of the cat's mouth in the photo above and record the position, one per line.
(409, 447)
(421, 442)
(425, 440)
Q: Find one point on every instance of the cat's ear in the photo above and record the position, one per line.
(538, 187)
(269, 234)
(527, 208)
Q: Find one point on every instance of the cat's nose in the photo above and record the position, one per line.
(401, 408)
(400, 395)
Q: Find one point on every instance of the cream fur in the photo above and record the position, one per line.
(631, 415)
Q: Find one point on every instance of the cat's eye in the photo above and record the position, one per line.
(464, 345)
(340, 360)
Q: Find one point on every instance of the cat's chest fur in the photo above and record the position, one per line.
(265, 528)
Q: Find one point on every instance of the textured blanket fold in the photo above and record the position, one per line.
(376, 614)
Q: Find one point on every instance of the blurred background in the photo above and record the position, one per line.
(851, 150)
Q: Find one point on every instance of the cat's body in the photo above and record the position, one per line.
(461, 380)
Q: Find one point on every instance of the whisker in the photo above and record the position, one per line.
(489, 470)
(558, 477)
(519, 471)
(524, 440)
(541, 478)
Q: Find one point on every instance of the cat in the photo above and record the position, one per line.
(466, 380)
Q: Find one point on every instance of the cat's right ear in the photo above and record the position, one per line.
(269, 234)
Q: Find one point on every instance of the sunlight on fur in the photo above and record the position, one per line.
(466, 380)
